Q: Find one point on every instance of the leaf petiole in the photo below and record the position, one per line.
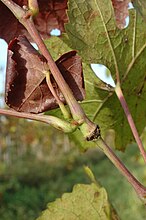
(138, 187)
(33, 6)
(123, 102)
(64, 111)
(58, 123)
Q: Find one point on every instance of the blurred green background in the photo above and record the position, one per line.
(38, 164)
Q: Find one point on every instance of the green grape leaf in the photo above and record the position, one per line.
(84, 202)
(140, 5)
(103, 107)
(92, 31)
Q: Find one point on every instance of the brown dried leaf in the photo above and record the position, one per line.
(26, 87)
(121, 12)
(52, 15)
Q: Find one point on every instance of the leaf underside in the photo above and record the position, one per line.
(92, 31)
(140, 6)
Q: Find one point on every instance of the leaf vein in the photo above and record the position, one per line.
(109, 41)
(133, 61)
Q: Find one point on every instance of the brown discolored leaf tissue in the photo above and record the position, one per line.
(121, 12)
(26, 88)
(52, 15)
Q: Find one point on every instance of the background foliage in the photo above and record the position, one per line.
(39, 171)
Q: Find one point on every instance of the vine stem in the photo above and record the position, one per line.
(138, 187)
(58, 123)
(75, 108)
(87, 127)
(123, 102)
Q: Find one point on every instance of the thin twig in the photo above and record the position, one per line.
(58, 123)
(87, 127)
(64, 111)
(76, 110)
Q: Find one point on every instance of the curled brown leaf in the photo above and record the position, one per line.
(26, 87)
(52, 15)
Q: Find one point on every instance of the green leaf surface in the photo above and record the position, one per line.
(140, 5)
(92, 31)
(83, 203)
(97, 38)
